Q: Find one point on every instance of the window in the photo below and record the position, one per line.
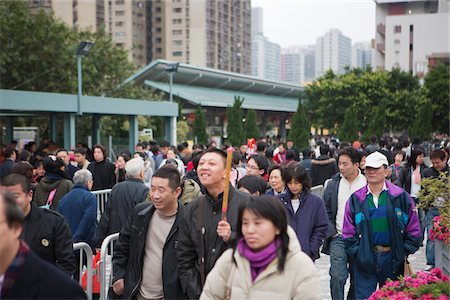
(176, 10)
(178, 43)
(158, 29)
(119, 34)
(177, 32)
(120, 2)
(411, 28)
(397, 42)
(120, 13)
(158, 50)
(158, 9)
(158, 40)
(397, 28)
(177, 53)
(119, 24)
(119, 44)
(158, 20)
(176, 21)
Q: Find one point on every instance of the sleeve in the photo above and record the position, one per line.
(327, 198)
(187, 258)
(349, 233)
(412, 232)
(122, 251)
(307, 282)
(400, 181)
(319, 230)
(63, 246)
(88, 218)
(216, 283)
(112, 176)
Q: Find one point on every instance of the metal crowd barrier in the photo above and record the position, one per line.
(105, 280)
(318, 190)
(102, 196)
(84, 247)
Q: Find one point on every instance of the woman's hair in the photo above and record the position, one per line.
(24, 155)
(253, 184)
(52, 164)
(299, 174)
(267, 207)
(411, 163)
(24, 168)
(276, 167)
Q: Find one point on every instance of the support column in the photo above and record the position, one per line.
(167, 121)
(282, 127)
(52, 127)
(95, 129)
(173, 131)
(69, 131)
(9, 134)
(133, 133)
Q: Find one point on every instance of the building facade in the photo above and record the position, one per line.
(409, 33)
(266, 58)
(298, 64)
(333, 51)
(363, 55)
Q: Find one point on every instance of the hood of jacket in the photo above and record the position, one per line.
(49, 184)
(392, 189)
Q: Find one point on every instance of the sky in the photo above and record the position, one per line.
(301, 22)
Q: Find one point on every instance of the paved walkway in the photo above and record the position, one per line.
(417, 260)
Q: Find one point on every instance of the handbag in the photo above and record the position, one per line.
(95, 277)
(49, 199)
(407, 269)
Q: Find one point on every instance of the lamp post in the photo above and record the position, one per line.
(82, 49)
(171, 69)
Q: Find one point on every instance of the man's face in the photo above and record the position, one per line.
(375, 175)
(347, 167)
(8, 235)
(98, 155)
(163, 197)
(164, 150)
(211, 169)
(252, 168)
(281, 148)
(80, 158)
(290, 144)
(438, 164)
(64, 156)
(22, 199)
(139, 149)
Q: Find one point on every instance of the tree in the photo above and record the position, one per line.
(300, 128)
(251, 128)
(422, 126)
(234, 117)
(437, 85)
(348, 132)
(182, 131)
(200, 126)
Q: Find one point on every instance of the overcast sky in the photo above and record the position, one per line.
(300, 22)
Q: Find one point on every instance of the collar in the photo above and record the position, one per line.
(382, 190)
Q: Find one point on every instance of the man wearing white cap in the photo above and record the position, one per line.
(381, 228)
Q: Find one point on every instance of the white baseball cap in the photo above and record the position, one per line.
(376, 160)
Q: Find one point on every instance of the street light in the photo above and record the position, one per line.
(171, 69)
(82, 49)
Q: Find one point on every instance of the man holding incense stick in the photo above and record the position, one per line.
(204, 233)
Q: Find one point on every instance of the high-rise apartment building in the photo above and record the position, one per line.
(412, 34)
(363, 55)
(257, 21)
(266, 57)
(333, 51)
(298, 64)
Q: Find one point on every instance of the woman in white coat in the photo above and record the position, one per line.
(266, 261)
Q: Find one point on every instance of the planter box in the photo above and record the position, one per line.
(442, 256)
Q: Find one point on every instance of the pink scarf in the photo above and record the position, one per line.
(258, 260)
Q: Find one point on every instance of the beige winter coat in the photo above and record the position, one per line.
(299, 280)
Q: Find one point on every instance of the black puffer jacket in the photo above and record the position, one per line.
(128, 258)
(193, 245)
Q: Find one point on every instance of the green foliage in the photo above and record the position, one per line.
(182, 131)
(200, 126)
(300, 128)
(234, 117)
(435, 192)
(437, 84)
(422, 127)
(251, 128)
(348, 131)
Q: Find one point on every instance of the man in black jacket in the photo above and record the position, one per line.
(323, 167)
(123, 198)
(24, 275)
(145, 261)
(45, 231)
(102, 170)
(204, 235)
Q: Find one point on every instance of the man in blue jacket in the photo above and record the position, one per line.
(381, 228)
(79, 207)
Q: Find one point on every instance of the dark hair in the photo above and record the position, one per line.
(25, 155)
(267, 207)
(217, 151)
(125, 156)
(171, 161)
(24, 168)
(9, 151)
(324, 149)
(171, 173)
(373, 139)
(196, 158)
(276, 167)
(290, 154)
(13, 213)
(281, 144)
(394, 154)
(15, 179)
(262, 162)
(62, 150)
(53, 165)
(236, 158)
(439, 154)
(139, 145)
(411, 163)
(382, 143)
(253, 184)
(261, 146)
(306, 153)
(80, 150)
(164, 144)
(299, 174)
(101, 147)
(355, 155)
(142, 155)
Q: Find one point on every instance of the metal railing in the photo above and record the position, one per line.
(84, 247)
(105, 280)
(318, 190)
(102, 196)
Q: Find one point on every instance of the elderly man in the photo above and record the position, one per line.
(79, 207)
(381, 228)
(123, 198)
(23, 275)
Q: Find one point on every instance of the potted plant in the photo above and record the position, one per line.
(422, 285)
(435, 193)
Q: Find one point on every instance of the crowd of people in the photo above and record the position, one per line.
(179, 240)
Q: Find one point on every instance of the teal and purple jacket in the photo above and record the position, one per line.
(403, 225)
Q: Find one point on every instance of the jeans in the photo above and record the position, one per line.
(431, 213)
(366, 284)
(339, 269)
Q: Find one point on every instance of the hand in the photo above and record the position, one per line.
(224, 230)
(118, 287)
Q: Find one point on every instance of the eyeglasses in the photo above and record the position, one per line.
(252, 167)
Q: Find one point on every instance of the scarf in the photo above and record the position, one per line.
(416, 175)
(258, 260)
